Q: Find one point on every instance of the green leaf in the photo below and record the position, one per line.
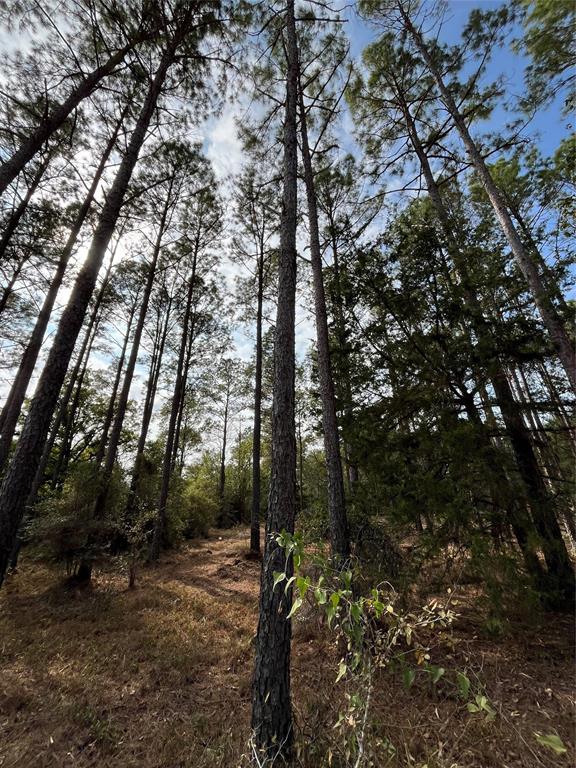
(463, 684)
(302, 584)
(330, 613)
(436, 673)
(295, 605)
(347, 579)
(552, 741)
(408, 676)
(278, 577)
(320, 596)
(342, 669)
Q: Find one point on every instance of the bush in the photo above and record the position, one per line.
(64, 526)
(200, 511)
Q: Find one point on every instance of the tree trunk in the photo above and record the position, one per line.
(341, 334)
(9, 289)
(555, 552)
(257, 429)
(179, 384)
(20, 209)
(147, 416)
(272, 710)
(222, 480)
(52, 122)
(77, 372)
(540, 294)
(101, 450)
(13, 405)
(182, 404)
(20, 475)
(339, 536)
(118, 423)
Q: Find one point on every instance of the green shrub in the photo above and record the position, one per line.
(64, 526)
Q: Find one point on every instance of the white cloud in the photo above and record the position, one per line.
(222, 144)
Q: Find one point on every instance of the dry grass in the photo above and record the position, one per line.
(159, 677)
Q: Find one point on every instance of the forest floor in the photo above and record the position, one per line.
(159, 676)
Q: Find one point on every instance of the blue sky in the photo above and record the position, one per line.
(548, 127)
(223, 148)
(546, 130)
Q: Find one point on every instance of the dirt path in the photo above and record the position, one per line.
(159, 676)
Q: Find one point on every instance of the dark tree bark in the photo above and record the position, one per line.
(20, 475)
(75, 381)
(69, 415)
(182, 403)
(300, 467)
(550, 318)
(339, 536)
(75, 378)
(13, 405)
(257, 429)
(271, 705)
(351, 465)
(222, 479)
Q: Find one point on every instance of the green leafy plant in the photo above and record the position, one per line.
(552, 741)
(375, 632)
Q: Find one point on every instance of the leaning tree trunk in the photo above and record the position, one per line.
(77, 373)
(9, 288)
(20, 209)
(339, 536)
(9, 230)
(257, 430)
(116, 431)
(13, 406)
(75, 382)
(54, 120)
(550, 317)
(109, 418)
(271, 705)
(554, 548)
(20, 475)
